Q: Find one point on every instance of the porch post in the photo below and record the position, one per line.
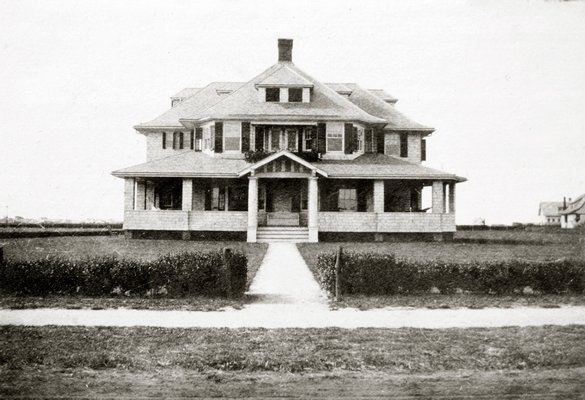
(128, 194)
(438, 198)
(379, 196)
(187, 195)
(313, 212)
(452, 198)
(252, 208)
(140, 194)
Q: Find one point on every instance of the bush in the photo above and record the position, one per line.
(383, 274)
(196, 273)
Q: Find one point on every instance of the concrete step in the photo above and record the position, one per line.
(282, 234)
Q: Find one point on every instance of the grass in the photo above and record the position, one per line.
(80, 247)
(64, 361)
(550, 246)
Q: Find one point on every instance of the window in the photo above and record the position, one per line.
(295, 95)
(238, 198)
(164, 140)
(272, 94)
(261, 197)
(369, 140)
(192, 139)
(404, 144)
(231, 139)
(334, 141)
(308, 139)
(423, 150)
(215, 199)
(347, 200)
(304, 197)
(177, 140)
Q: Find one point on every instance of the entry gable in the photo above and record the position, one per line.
(283, 163)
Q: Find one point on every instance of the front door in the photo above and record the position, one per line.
(282, 202)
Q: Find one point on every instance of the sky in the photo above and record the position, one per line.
(502, 82)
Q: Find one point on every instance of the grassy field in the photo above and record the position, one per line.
(545, 246)
(494, 363)
(80, 247)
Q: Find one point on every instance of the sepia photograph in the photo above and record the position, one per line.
(292, 199)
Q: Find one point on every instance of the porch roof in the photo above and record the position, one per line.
(187, 164)
(193, 164)
(368, 166)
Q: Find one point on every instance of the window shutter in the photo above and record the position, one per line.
(379, 141)
(423, 149)
(368, 141)
(348, 133)
(321, 138)
(218, 137)
(403, 144)
(174, 140)
(245, 137)
(164, 140)
(259, 138)
(181, 140)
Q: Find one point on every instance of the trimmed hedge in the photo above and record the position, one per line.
(383, 274)
(186, 274)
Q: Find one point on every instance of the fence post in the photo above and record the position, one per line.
(227, 272)
(338, 274)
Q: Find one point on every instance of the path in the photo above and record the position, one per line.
(289, 297)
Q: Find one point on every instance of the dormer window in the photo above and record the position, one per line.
(273, 95)
(295, 95)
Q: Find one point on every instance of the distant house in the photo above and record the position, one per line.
(574, 214)
(286, 157)
(549, 213)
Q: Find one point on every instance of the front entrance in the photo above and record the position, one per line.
(285, 201)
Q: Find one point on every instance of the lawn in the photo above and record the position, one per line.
(88, 246)
(78, 361)
(546, 246)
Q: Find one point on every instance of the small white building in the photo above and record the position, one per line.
(550, 213)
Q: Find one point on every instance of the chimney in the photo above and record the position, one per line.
(564, 203)
(285, 50)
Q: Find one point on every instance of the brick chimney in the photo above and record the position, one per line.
(285, 50)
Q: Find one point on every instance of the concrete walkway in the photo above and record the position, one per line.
(284, 283)
(289, 297)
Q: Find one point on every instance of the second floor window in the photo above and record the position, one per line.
(334, 141)
(273, 95)
(308, 139)
(360, 140)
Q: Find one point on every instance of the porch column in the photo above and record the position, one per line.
(128, 194)
(452, 198)
(438, 197)
(140, 194)
(187, 195)
(252, 208)
(379, 196)
(313, 212)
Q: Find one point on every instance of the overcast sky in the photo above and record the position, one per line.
(502, 82)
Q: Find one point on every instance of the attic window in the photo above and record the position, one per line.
(295, 95)
(273, 94)
(223, 92)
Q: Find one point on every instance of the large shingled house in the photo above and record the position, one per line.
(285, 157)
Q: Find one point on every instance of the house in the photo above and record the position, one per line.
(573, 215)
(549, 213)
(285, 157)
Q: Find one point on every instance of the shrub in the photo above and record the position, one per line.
(383, 274)
(196, 273)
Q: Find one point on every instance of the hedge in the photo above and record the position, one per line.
(383, 274)
(186, 274)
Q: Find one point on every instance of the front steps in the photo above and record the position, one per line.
(271, 234)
